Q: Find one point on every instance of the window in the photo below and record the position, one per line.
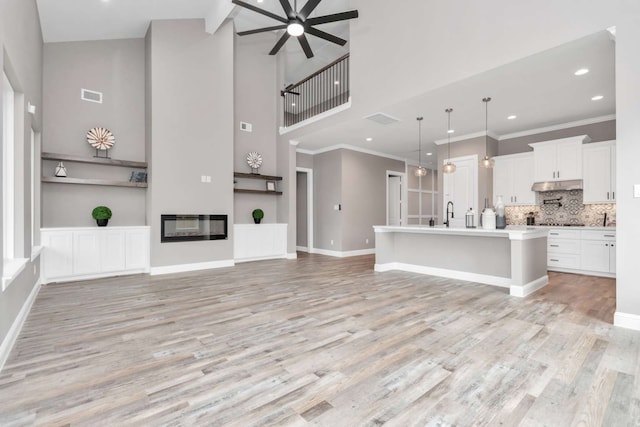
(423, 196)
(8, 160)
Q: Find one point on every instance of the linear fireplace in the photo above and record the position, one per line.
(188, 228)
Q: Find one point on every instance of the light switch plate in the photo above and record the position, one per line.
(636, 190)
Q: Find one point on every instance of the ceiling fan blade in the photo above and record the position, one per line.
(308, 8)
(280, 43)
(326, 36)
(260, 11)
(305, 46)
(288, 10)
(262, 30)
(352, 14)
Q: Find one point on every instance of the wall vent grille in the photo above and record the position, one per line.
(91, 96)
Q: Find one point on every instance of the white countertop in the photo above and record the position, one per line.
(513, 232)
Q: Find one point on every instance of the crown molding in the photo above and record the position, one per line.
(558, 127)
(467, 136)
(351, 148)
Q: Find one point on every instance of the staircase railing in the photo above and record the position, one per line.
(322, 91)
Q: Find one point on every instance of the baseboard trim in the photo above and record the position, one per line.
(626, 320)
(529, 288)
(10, 340)
(302, 248)
(184, 268)
(260, 258)
(292, 256)
(344, 254)
(486, 279)
(94, 276)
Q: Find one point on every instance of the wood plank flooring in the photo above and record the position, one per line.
(325, 342)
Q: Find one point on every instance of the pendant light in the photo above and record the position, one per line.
(421, 171)
(486, 162)
(449, 167)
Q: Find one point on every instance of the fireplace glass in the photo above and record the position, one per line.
(187, 228)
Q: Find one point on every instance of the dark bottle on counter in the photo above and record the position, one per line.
(531, 220)
(431, 222)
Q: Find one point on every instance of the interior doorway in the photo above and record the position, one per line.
(461, 188)
(395, 198)
(304, 210)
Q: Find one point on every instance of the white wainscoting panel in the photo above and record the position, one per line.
(254, 242)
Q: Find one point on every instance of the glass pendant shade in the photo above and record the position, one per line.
(421, 171)
(486, 162)
(449, 167)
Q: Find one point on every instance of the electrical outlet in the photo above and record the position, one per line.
(366, 241)
(35, 270)
(203, 178)
(208, 179)
(332, 243)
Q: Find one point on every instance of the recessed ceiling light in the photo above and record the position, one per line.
(511, 117)
(293, 104)
(429, 154)
(450, 131)
(597, 98)
(260, 1)
(581, 72)
(337, 82)
(369, 139)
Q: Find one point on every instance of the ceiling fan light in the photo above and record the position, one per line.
(449, 168)
(295, 29)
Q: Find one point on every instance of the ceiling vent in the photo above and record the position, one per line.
(91, 96)
(382, 118)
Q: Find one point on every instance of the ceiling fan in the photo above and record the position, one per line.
(297, 23)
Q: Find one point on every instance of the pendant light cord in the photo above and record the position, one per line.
(449, 110)
(419, 119)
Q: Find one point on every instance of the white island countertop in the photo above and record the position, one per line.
(513, 232)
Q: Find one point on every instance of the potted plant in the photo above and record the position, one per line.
(257, 215)
(101, 214)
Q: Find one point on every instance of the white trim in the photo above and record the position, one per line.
(404, 195)
(36, 251)
(310, 225)
(302, 248)
(522, 291)
(344, 254)
(93, 276)
(183, 268)
(503, 282)
(626, 320)
(261, 258)
(284, 130)
(467, 136)
(12, 268)
(14, 331)
(352, 148)
(558, 127)
(291, 256)
(583, 272)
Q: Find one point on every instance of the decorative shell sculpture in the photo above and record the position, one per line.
(254, 159)
(100, 138)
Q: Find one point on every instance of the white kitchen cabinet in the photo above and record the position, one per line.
(91, 252)
(599, 171)
(597, 251)
(558, 160)
(512, 179)
(253, 242)
(590, 252)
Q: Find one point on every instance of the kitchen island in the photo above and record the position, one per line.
(514, 258)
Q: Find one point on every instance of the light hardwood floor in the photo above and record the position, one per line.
(321, 341)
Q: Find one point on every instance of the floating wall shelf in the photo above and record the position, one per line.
(257, 176)
(88, 181)
(94, 160)
(240, 190)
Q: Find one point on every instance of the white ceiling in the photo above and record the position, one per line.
(541, 90)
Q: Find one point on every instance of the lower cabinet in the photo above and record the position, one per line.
(89, 252)
(259, 241)
(582, 251)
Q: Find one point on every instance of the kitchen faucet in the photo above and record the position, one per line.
(447, 221)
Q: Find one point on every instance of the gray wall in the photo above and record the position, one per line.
(485, 176)
(603, 131)
(301, 209)
(21, 44)
(255, 88)
(364, 196)
(191, 113)
(304, 160)
(115, 68)
(327, 192)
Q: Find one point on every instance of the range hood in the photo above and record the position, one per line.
(574, 184)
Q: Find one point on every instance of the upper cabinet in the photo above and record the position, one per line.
(599, 171)
(558, 160)
(512, 179)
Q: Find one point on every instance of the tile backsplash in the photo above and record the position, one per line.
(572, 211)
